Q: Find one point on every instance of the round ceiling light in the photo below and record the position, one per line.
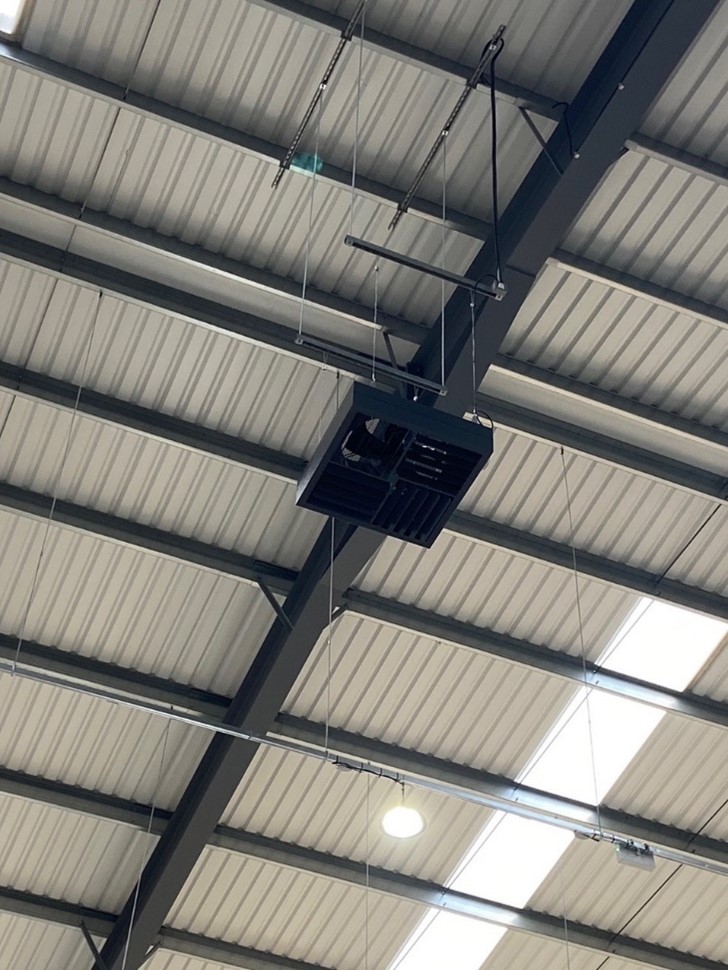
(402, 822)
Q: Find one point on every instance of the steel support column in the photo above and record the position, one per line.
(639, 58)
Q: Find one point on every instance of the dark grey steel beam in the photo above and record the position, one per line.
(602, 117)
(270, 678)
(640, 57)
(652, 292)
(205, 312)
(532, 922)
(283, 580)
(156, 424)
(566, 666)
(146, 537)
(694, 164)
(172, 940)
(629, 408)
(170, 299)
(481, 787)
(167, 114)
(608, 571)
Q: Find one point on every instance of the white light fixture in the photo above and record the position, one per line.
(402, 822)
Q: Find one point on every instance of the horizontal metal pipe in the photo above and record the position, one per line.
(311, 748)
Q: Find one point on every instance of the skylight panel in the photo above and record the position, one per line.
(11, 12)
(512, 857)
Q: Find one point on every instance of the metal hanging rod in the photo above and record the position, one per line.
(470, 85)
(312, 750)
(494, 291)
(346, 34)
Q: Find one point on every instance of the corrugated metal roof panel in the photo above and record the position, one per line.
(432, 697)
(615, 514)
(688, 914)
(266, 86)
(307, 802)
(78, 858)
(517, 951)
(550, 47)
(128, 607)
(146, 480)
(216, 197)
(33, 943)
(625, 344)
(165, 363)
(678, 777)
(25, 297)
(52, 136)
(498, 590)
(658, 223)
(306, 917)
(682, 908)
(689, 112)
(70, 737)
(713, 680)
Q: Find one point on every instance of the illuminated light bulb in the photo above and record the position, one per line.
(402, 822)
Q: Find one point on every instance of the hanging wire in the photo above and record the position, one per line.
(587, 690)
(328, 638)
(356, 120)
(563, 910)
(375, 320)
(59, 474)
(494, 164)
(165, 738)
(472, 353)
(299, 338)
(366, 876)
(442, 258)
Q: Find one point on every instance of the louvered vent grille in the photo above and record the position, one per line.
(394, 466)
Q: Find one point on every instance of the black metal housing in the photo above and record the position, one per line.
(394, 466)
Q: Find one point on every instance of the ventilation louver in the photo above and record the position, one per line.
(394, 466)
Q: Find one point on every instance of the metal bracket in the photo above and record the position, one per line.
(540, 139)
(278, 609)
(98, 960)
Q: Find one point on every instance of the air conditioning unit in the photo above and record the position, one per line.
(395, 466)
